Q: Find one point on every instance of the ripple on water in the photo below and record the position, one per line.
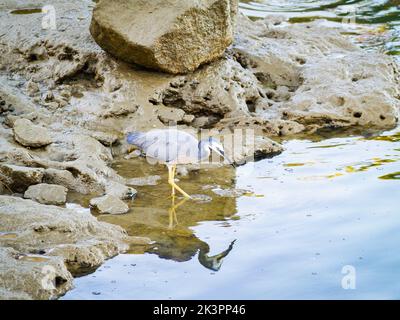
(381, 17)
(343, 206)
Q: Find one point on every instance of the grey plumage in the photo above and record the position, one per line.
(172, 146)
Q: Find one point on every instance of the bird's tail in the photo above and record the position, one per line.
(134, 137)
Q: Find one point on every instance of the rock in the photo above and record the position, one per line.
(65, 178)
(170, 116)
(204, 121)
(53, 235)
(105, 138)
(109, 204)
(30, 135)
(30, 277)
(18, 178)
(120, 190)
(245, 146)
(120, 110)
(175, 36)
(144, 181)
(202, 198)
(220, 90)
(231, 193)
(317, 78)
(338, 96)
(84, 157)
(32, 88)
(47, 194)
(188, 118)
(48, 96)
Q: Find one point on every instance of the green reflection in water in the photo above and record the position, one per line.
(26, 11)
(391, 176)
(391, 138)
(382, 16)
(373, 163)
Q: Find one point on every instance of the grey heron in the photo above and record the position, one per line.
(175, 147)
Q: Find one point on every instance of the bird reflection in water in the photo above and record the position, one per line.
(210, 262)
(214, 262)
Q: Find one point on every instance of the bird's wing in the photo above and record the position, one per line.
(166, 145)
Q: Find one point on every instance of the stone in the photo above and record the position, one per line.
(30, 135)
(19, 178)
(175, 36)
(231, 193)
(249, 148)
(64, 238)
(109, 204)
(120, 190)
(47, 194)
(32, 88)
(170, 116)
(144, 181)
(22, 276)
(65, 178)
(120, 110)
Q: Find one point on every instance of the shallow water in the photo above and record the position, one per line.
(316, 208)
(377, 21)
(324, 211)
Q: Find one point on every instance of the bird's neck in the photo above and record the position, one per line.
(204, 151)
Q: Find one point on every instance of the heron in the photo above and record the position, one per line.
(175, 147)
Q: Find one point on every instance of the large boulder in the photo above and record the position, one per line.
(175, 36)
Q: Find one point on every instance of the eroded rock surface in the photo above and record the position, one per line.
(32, 277)
(109, 204)
(173, 36)
(47, 194)
(30, 135)
(55, 236)
(18, 178)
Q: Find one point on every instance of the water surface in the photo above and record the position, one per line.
(377, 22)
(320, 206)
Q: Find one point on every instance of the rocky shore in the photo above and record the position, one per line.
(66, 105)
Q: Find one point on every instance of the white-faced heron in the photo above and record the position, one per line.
(173, 147)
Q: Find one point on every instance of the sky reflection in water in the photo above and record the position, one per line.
(316, 216)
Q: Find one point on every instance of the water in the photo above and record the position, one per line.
(323, 212)
(378, 21)
(316, 208)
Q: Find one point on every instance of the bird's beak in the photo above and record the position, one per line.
(221, 152)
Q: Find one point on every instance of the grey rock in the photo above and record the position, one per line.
(19, 178)
(63, 238)
(47, 194)
(175, 36)
(144, 181)
(109, 204)
(30, 135)
(120, 190)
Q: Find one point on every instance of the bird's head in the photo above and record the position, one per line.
(214, 145)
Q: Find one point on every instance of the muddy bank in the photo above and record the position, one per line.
(65, 106)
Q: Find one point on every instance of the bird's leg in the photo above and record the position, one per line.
(172, 214)
(171, 181)
(173, 220)
(171, 172)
